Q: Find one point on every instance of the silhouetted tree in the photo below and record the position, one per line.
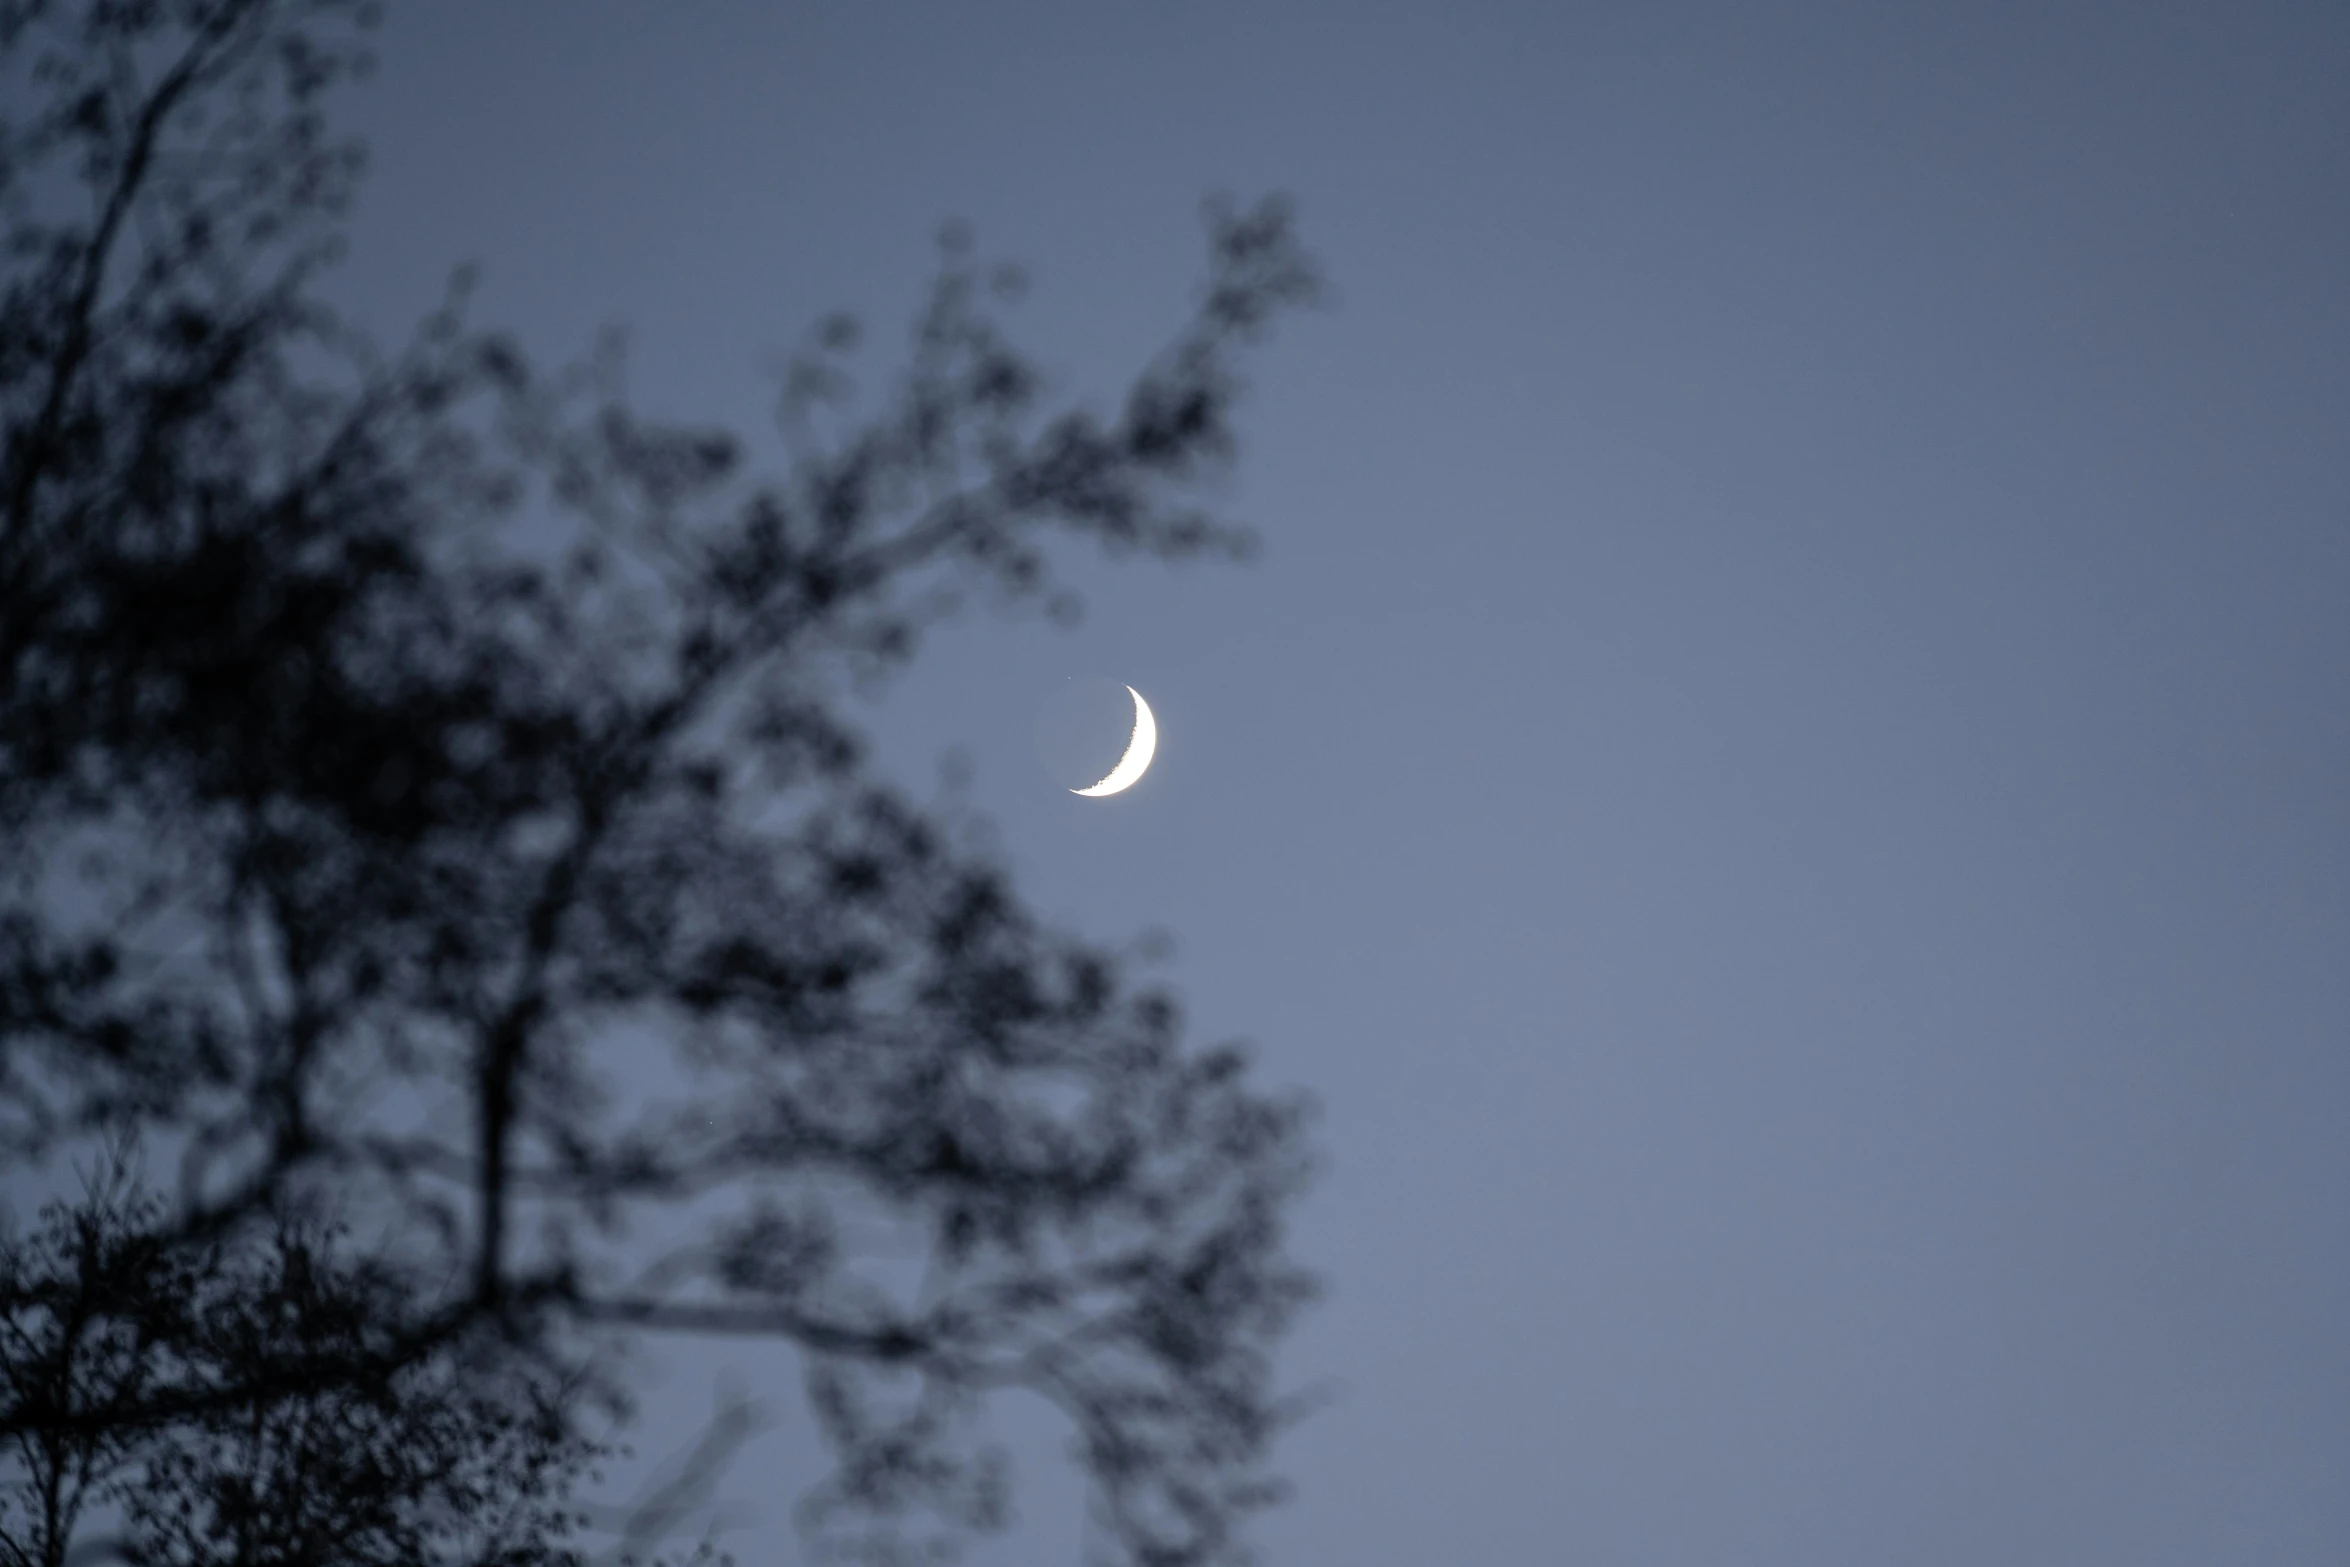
(427, 790)
(83, 1303)
(462, 1457)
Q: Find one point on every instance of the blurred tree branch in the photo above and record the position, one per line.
(392, 748)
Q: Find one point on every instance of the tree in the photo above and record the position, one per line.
(392, 744)
(464, 1456)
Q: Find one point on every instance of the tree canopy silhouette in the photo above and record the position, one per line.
(434, 826)
(465, 1455)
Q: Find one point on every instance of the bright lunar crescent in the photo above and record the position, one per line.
(1139, 750)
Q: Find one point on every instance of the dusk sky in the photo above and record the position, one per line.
(1783, 776)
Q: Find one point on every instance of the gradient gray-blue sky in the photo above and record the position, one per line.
(1785, 774)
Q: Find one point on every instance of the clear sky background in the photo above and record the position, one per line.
(1785, 774)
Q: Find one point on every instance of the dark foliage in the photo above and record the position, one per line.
(463, 1456)
(400, 754)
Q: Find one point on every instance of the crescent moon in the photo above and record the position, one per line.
(1140, 748)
